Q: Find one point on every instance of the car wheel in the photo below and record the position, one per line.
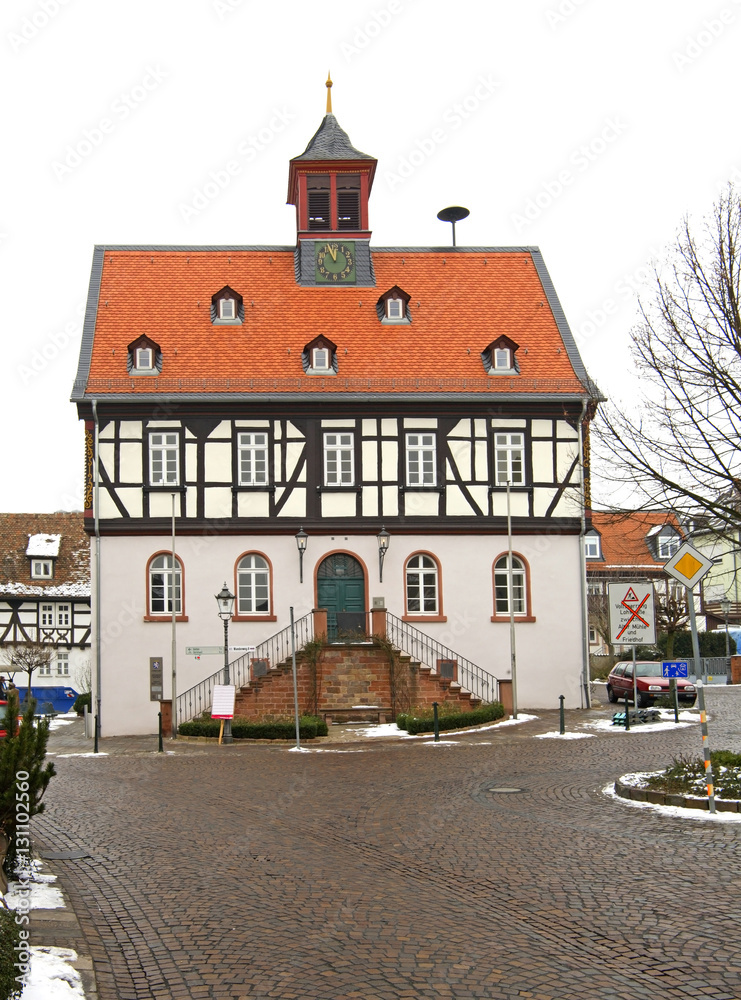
(644, 701)
(611, 696)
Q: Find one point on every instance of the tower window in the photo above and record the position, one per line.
(317, 187)
(348, 201)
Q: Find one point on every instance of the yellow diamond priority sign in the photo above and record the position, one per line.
(688, 566)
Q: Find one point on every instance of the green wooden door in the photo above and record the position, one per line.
(341, 590)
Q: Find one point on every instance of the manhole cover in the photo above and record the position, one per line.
(63, 855)
(505, 791)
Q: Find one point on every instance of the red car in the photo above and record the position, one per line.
(650, 684)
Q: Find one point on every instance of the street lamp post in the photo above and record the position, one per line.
(225, 601)
(301, 540)
(725, 607)
(383, 544)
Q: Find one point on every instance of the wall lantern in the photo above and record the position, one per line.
(301, 540)
(383, 544)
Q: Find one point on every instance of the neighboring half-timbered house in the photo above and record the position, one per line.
(45, 594)
(346, 397)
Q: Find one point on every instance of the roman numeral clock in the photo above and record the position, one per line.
(334, 261)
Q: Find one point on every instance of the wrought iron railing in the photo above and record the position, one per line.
(442, 659)
(267, 654)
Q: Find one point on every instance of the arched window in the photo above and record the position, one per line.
(422, 585)
(253, 585)
(161, 586)
(519, 592)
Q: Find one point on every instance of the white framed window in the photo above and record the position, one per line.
(253, 459)
(502, 593)
(395, 308)
(46, 615)
(62, 664)
(45, 669)
(509, 459)
(164, 458)
(320, 359)
(144, 358)
(593, 635)
(227, 309)
(422, 586)
(161, 586)
(592, 546)
(339, 459)
(42, 569)
(668, 546)
(502, 358)
(595, 589)
(63, 615)
(421, 459)
(253, 585)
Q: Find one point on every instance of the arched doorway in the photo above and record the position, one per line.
(341, 590)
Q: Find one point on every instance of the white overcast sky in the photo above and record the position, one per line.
(587, 128)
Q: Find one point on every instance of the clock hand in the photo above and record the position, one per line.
(332, 253)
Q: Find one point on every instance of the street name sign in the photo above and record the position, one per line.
(688, 566)
(240, 649)
(631, 608)
(674, 668)
(204, 650)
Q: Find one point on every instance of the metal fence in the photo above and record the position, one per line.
(444, 661)
(710, 669)
(267, 654)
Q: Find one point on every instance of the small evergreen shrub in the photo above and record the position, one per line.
(81, 701)
(258, 729)
(10, 942)
(422, 720)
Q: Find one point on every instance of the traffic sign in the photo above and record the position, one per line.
(674, 668)
(688, 566)
(204, 650)
(631, 613)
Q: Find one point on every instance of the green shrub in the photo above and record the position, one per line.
(81, 701)
(422, 721)
(10, 940)
(258, 729)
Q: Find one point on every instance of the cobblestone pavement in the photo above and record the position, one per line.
(392, 870)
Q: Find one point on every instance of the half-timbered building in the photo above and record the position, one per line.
(383, 407)
(45, 595)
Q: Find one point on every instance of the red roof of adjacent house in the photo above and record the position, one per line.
(71, 566)
(461, 301)
(624, 538)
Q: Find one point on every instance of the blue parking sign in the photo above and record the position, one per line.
(674, 668)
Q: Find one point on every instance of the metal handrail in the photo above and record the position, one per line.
(429, 651)
(274, 650)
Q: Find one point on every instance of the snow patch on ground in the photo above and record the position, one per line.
(564, 736)
(91, 754)
(678, 812)
(36, 891)
(63, 720)
(606, 726)
(52, 977)
(383, 729)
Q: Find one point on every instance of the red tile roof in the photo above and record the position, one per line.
(624, 538)
(460, 301)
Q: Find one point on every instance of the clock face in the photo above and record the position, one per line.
(335, 261)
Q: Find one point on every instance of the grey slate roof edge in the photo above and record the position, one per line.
(88, 327)
(266, 248)
(563, 325)
(332, 397)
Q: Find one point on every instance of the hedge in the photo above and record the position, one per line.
(10, 939)
(423, 721)
(261, 729)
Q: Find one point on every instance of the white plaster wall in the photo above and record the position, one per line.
(218, 461)
(130, 463)
(548, 650)
(461, 453)
(565, 430)
(130, 429)
(295, 505)
(542, 462)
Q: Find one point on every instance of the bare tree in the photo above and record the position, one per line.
(26, 657)
(672, 616)
(678, 445)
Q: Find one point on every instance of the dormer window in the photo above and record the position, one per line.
(227, 307)
(320, 357)
(499, 357)
(663, 541)
(144, 357)
(592, 545)
(392, 307)
(42, 569)
(668, 545)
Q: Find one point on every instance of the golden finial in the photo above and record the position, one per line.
(329, 93)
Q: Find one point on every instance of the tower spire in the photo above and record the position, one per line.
(329, 93)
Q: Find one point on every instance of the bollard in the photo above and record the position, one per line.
(95, 748)
(435, 722)
(159, 717)
(562, 719)
(675, 696)
(627, 712)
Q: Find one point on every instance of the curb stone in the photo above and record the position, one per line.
(670, 799)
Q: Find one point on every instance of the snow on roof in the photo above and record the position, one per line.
(60, 590)
(43, 545)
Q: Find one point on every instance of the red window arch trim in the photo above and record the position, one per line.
(528, 616)
(167, 617)
(419, 617)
